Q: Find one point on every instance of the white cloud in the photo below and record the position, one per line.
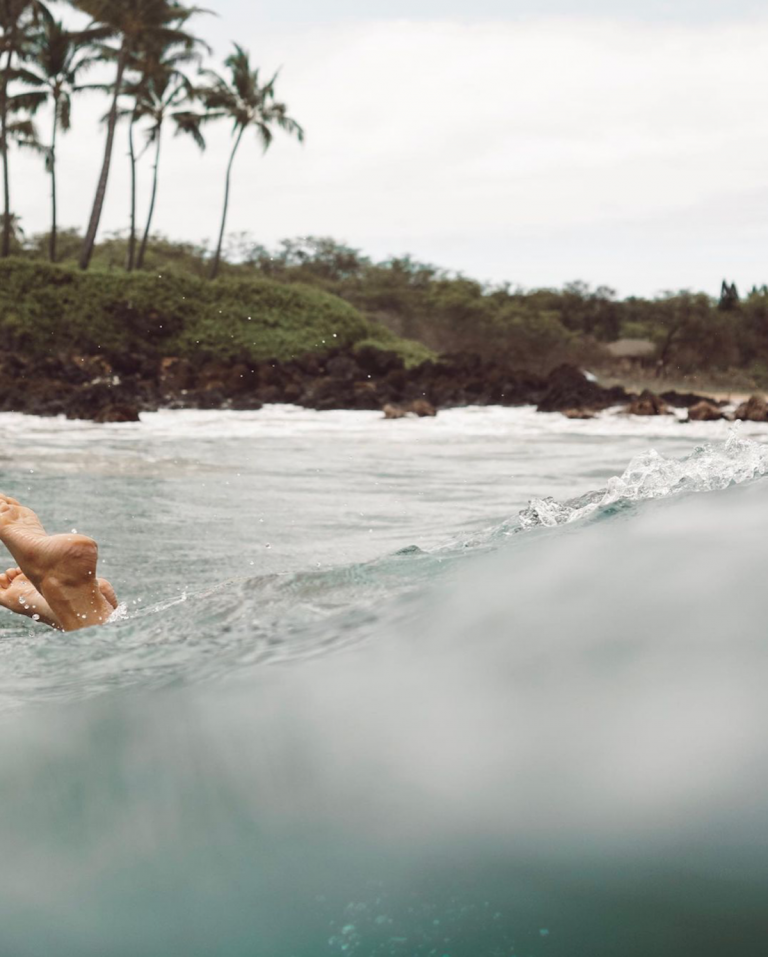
(537, 152)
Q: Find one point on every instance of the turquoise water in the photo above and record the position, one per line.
(363, 698)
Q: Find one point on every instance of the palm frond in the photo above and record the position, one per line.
(189, 123)
(98, 87)
(22, 132)
(33, 146)
(83, 65)
(265, 134)
(23, 75)
(28, 102)
(245, 100)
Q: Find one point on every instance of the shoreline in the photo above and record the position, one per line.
(97, 388)
(119, 387)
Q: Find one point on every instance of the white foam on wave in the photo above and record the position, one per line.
(516, 422)
(651, 476)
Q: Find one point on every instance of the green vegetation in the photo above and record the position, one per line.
(414, 308)
(47, 309)
(537, 329)
(306, 295)
(247, 104)
(148, 46)
(301, 294)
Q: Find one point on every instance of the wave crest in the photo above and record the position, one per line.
(650, 475)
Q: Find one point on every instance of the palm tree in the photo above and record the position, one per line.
(161, 89)
(17, 21)
(133, 159)
(60, 56)
(135, 88)
(134, 23)
(243, 100)
(18, 236)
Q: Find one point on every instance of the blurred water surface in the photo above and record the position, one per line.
(364, 699)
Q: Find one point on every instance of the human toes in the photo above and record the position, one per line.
(108, 592)
(8, 500)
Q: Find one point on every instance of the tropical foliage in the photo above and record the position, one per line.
(157, 78)
(159, 91)
(46, 308)
(146, 58)
(58, 59)
(246, 103)
(448, 313)
(19, 21)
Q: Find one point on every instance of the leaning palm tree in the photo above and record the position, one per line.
(160, 93)
(246, 103)
(59, 56)
(18, 19)
(133, 23)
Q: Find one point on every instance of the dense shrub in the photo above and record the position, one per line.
(47, 309)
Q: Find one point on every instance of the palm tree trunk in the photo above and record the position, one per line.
(52, 241)
(132, 239)
(217, 258)
(101, 189)
(6, 244)
(145, 240)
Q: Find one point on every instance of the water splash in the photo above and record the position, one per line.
(650, 476)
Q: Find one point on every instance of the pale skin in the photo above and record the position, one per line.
(54, 580)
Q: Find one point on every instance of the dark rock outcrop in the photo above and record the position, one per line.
(648, 403)
(683, 400)
(704, 411)
(755, 409)
(568, 388)
(419, 407)
(423, 409)
(119, 388)
(118, 413)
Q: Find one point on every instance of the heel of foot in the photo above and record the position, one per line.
(73, 560)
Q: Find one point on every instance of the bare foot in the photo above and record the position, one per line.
(61, 567)
(18, 594)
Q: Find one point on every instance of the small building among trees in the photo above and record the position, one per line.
(634, 353)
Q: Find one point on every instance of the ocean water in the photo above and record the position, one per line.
(490, 684)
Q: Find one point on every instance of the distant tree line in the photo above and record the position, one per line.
(448, 312)
(158, 80)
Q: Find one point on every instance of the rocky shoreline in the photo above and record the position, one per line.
(119, 388)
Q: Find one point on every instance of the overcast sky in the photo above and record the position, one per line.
(557, 142)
